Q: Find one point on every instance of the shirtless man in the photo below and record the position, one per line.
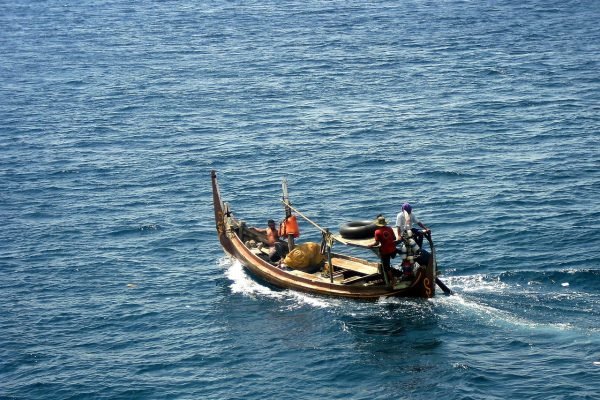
(275, 246)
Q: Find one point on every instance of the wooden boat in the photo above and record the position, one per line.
(351, 277)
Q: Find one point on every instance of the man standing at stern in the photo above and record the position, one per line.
(385, 238)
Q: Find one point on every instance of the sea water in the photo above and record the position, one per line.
(484, 115)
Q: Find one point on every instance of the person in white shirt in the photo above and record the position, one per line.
(405, 220)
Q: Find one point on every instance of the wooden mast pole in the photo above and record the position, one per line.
(288, 211)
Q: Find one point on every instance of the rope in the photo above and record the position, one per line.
(287, 204)
(325, 232)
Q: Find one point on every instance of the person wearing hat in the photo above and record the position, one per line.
(385, 238)
(405, 220)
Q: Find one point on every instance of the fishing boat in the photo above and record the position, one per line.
(316, 268)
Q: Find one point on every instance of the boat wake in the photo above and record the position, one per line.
(469, 308)
(584, 281)
(505, 301)
(242, 283)
(476, 283)
(538, 300)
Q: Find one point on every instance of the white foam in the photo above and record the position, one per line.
(242, 283)
(476, 283)
(495, 317)
(303, 298)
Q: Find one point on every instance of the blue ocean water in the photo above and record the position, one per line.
(485, 115)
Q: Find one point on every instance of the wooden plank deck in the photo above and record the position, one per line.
(358, 279)
(354, 266)
(317, 277)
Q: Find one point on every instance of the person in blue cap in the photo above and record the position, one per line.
(404, 222)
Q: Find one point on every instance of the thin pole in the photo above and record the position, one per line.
(288, 205)
(328, 242)
(323, 230)
(288, 211)
(330, 264)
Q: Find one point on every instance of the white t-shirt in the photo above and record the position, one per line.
(405, 221)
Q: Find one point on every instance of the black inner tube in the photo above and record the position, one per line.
(364, 229)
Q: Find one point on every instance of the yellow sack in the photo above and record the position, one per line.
(304, 256)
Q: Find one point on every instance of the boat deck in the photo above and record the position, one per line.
(354, 266)
(341, 265)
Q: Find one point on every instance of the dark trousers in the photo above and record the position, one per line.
(386, 260)
(418, 234)
(278, 251)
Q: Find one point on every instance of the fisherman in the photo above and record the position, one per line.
(276, 248)
(386, 240)
(404, 222)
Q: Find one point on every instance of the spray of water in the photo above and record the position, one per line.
(242, 283)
